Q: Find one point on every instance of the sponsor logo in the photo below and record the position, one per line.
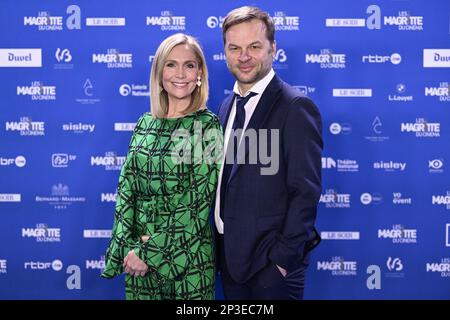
(26, 127)
(338, 266)
(442, 92)
(56, 265)
(377, 128)
(371, 198)
(436, 58)
(442, 267)
(135, 90)
(352, 93)
(111, 161)
(397, 198)
(341, 165)
(10, 197)
(96, 264)
(60, 197)
(394, 265)
(78, 127)
(340, 128)
(305, 90)
(389, 166)
(339, 235)
(105, 22)
(327, 59)
(124, 126)
(108, 197)
(280, 59)
(332, 199)
(25, 58)
(3, 266)
(167, 21)
(394, 58)
(398, 234)
(19, 161)
(37, 91)
(97, 233)
(399, 95)
(88, 90)
(338, 22)
(42, 233)
(63, 57)
(61, 160)
(113, 59)
(283, 22)
(422, 128)
(436, 165)
(214, 22)
(441, 200)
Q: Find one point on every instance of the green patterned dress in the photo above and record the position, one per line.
(170, 201)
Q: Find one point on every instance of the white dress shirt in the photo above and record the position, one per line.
(250, 107)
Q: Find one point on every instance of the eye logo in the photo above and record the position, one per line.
(435, 164)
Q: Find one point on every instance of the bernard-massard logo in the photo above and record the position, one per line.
(60, 197)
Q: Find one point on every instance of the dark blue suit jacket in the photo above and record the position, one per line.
(270, 218)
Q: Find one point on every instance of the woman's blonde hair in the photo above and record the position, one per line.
(158, 95)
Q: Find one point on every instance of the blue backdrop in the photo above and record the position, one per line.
(74, 80)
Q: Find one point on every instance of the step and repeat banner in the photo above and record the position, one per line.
(74, 79)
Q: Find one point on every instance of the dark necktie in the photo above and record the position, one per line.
(239, 120)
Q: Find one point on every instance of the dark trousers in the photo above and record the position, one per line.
(266, 284)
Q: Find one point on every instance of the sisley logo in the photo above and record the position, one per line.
(390, 166)
(78, 127)
(21, 58)
(436, 58)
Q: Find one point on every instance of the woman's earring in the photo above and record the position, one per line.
(199, 82)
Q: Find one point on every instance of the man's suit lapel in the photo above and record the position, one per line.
(224, 111)
(266, 103)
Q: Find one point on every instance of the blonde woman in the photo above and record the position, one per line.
(161, 236)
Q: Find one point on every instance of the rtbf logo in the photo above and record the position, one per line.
(56, 265)
(394, 58)
(19, 161)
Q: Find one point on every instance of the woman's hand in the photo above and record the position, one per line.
(134, 266)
